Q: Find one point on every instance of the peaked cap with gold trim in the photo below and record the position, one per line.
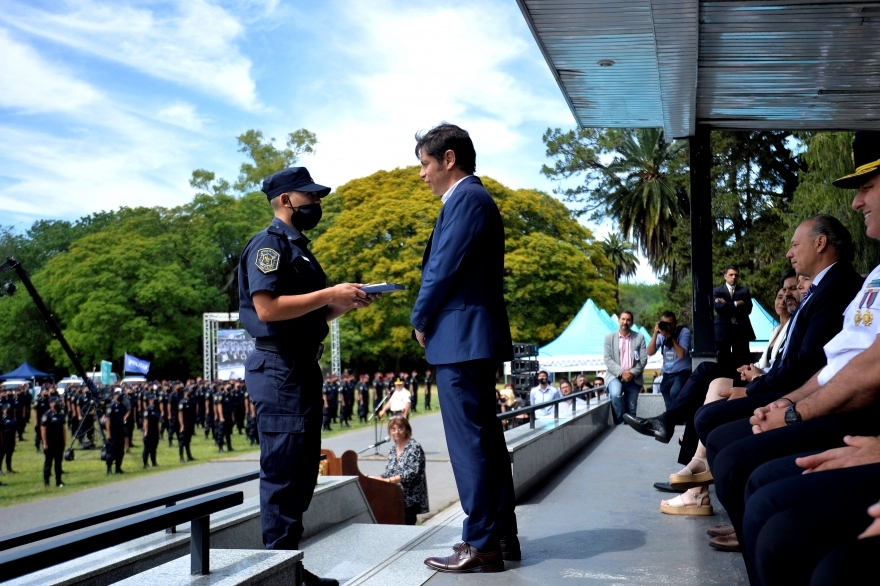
(866, 158)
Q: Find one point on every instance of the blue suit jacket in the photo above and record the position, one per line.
(460, 307)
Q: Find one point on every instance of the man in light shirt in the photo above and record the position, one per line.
(542, 393)
(625, 358)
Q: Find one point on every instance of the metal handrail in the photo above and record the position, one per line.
(555, 402)
(198, 511)
(168, 500)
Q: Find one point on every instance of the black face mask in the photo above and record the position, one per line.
(306, 217)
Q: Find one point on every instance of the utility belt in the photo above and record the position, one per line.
(292, 349)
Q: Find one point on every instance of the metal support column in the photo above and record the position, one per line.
(335, 349)
(701, 245)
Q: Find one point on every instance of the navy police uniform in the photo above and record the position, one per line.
(53, 422)
(282, 372)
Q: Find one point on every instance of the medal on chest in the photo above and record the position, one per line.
(864, 316)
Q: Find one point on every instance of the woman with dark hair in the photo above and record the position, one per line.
(406, 467)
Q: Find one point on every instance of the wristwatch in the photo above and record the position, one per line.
(792, 416)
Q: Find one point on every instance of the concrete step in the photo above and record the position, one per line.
(229, 567)
(378, 555)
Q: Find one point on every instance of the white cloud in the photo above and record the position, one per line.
(31, 85)
(183, 115)
(400, 68)
(192, 45)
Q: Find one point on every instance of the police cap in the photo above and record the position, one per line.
(292, 179)
(866, 159)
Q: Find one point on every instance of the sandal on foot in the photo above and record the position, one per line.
(677, 505)
(689, 479)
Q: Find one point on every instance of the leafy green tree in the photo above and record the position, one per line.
(621, 254)
(828, 157)
(552, 263)
(138, 286)
(636, 188)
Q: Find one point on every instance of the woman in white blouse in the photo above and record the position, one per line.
(696, 476)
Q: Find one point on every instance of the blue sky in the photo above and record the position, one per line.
(109, 104)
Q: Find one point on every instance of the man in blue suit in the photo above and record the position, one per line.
(460, 318)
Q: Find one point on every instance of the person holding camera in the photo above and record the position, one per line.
(674, 341)
(53, 437)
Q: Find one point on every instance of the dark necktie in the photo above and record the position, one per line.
(809, 292)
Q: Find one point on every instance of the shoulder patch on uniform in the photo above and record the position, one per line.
(267, 260)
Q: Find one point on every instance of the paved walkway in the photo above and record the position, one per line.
(598, 521)
(427, 429)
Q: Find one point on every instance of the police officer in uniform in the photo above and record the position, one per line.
(186, 420)
(41, 405)
(115, 426)
(285, 306)
(53, 436)
(152, 420)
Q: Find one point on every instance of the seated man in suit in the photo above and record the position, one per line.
(733, 328)
(626, 355)
(842, 398)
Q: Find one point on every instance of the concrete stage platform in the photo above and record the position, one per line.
(597, 521)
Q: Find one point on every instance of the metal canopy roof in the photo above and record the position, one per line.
(761, 65)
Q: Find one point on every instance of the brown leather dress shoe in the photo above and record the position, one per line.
(725, 529)
(725, 542)
(467, 559)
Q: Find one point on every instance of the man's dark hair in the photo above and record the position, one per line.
(448, 137)
(836, 233)
(788, 274)
(633, 317)
(728, 267)
(668, 314)
(564, 380)
(544, 372)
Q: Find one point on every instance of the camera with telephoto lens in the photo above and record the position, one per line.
(665, 327)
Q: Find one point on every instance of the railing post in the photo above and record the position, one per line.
(532, 419)
(200, 546)
(555, 410)
(173, 528)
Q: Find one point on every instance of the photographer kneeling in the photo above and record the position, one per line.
(674, 341)
(406, 467)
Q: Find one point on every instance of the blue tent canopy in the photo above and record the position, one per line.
(25, 371)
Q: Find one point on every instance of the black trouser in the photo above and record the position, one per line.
(209, 425)
(410, 512)
(734, 452)
(414, 401)
(172, 429)
(228, 425)
(184, 438)
(6, 450)
(151, 442)
(733, 353)
(428, 398)
(713, 415)
(788, 527)
(289, 417)
(117, 449)
(53, 455)
(239, 419)
(849, 563)
(38, 442)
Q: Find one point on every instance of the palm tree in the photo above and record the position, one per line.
(621, 254)
(643, 198)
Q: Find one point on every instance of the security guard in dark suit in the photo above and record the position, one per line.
(285, 306)
(733, 328)
(53, 437)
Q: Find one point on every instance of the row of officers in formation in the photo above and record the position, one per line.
(168, 411)
(341, 394)
(172, 410)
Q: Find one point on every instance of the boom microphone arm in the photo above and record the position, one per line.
(12, 264)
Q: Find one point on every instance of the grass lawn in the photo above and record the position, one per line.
(88, 471)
